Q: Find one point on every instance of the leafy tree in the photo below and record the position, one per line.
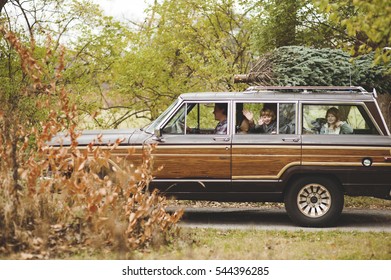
(185, 46)
(93, 61)
(369, 22)
(277, 23)
(93, 41)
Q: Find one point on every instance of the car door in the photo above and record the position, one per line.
(260, 157)
(192, 157)
(358, 156)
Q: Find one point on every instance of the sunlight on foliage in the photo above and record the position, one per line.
(369, 22)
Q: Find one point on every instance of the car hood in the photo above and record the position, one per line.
(106, 136)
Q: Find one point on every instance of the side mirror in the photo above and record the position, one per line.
(158, 132)
(158, 135)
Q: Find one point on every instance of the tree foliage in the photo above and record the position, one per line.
(192, 45)
(94, 44)
(277, 23)
(369, 22)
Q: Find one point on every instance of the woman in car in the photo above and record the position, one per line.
(334, 125)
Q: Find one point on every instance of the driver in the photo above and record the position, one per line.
(220, 113)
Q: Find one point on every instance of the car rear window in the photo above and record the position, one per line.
(350, 119)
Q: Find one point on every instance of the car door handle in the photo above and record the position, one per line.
(220, 139)
(296, 139)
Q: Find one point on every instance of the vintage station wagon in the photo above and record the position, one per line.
(304, 161)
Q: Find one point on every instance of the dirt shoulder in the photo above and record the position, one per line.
(350, 202)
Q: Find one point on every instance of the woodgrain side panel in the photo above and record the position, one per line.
(182, 161)
(193, 162)
(263, 162)
(133, 155)
(344, 155)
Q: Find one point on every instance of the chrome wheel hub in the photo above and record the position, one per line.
(314, 200)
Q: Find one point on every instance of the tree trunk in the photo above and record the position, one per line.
(2, 3)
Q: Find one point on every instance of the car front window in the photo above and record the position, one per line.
(176, 125)
(198, 118)
(201, 119)
(151, 128)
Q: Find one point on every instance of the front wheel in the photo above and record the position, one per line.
(314, 202)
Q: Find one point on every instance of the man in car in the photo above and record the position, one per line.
(220, 113)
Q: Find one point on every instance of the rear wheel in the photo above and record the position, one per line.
(314, 202)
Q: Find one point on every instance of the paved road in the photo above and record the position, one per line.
(277, 219)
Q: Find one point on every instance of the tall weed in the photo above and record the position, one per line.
(56, 201)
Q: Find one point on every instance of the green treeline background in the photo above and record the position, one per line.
(130, 71)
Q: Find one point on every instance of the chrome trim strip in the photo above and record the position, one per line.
(353, 164)
(221, 156)
(264, 155)
(338, 147)
(214, 181)
(192, 180)
(221, 145)
(282, 146)
(255, 181)
(257, 178)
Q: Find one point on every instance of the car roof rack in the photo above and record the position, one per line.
(309, 89)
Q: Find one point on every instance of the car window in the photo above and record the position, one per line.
(287, 118)
(265, 118)
(150, 128)
(337, 119)
(199, 118)
(176, 125)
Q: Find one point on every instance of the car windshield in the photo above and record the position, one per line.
(151, 128)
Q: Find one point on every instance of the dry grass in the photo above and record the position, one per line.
(350, 202)
(367, 203)
(55, 202)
